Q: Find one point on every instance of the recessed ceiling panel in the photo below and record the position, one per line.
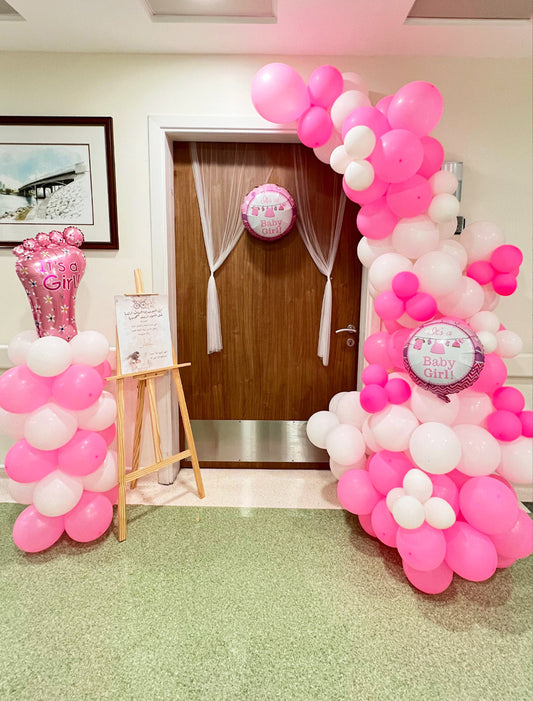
(212, 10)
(7, 12)
(471, 9)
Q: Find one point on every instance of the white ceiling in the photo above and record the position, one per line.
(303, 27)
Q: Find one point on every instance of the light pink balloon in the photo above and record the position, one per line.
(78, 387)
(375, 349)
(517, 461)
(433, 156)
(474, 407)
(388, 306)
(315, 127)
(279, 93)
(375, 220)
(431, 582)
(366, 116)
(387, 470)
(33, 532)
(90, 518)
(384, 525)
(492, 376)
(411, 197)
(325, 84)
(24, 463)
(397, 156)
(423, 548)
(370, 194)
(22, 391)
(445, 488)
(356, 492)
(417, 106)
(517, 541)
(469, 553)
(365, 521)
(83, 454)
(488, 505)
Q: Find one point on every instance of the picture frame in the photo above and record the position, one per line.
(57, 172)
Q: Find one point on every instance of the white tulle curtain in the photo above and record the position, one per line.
(223, 175)
(321, 242)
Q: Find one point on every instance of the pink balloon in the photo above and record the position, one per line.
(111, 495)
(397, 155)
(410, 197)
(509, 399)
(104, 369)
(469, 553)
(315, 127)
(365, 521)
(417, 107)
(108, 434)
(383, 104)
(445, 488)
(90, 518)
(506, 258)
(367, 117)
(83, 454)
(374, 374)
(22, 391)
(375, 220)
(526, 419)
(488, 505)
(356, 492)
(325, 85)
(33, 532)
(51, 274)
(384, 525)
(492, 376)
(421, 307)
(375, 349)
(398, 390)
(504, 284)
(433, 156)
(388, 306)
(370, 194)
(396, 342)
(481, 271)
(373, 398)
(24, 463)
(387, 470)
(517, 542)
(279, 93)
(78, 387)
(423, 548)
(504, 425)
(431, 582)
(405, 284)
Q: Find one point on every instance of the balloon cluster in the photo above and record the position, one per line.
(53, 404)
(426, 458)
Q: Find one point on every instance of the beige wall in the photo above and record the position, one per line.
(486, 124)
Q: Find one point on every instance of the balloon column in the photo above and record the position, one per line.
(427, 452)
(53, 403)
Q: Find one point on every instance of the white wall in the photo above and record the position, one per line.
(486, 124)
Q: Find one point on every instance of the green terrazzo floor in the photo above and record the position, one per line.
(252, 604)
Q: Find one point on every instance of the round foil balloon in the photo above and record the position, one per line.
(443, 357)
(50, 267)
(268, 212)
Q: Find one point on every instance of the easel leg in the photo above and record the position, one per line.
(121, 462)
(154, 417)
(138, 429)
(188, 433)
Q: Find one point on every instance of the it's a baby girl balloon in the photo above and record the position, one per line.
(444, 357)
(50, 267)
(268, 212)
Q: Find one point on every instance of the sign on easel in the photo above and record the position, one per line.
(143, 329)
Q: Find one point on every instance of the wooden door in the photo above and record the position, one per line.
(270, 304)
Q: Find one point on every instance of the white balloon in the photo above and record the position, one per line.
(12, 425)
(426, 406)
(412, 237)
(392, 427)
(393, 495)
(480, 451)
(447, 229)
(465, 301)
(492, 298)
(408, 512)
(21, 492)
(323, 153)
(338, 470)
(517, 461)
(371, 444)
(353, 81)
(339, 159)
(508, 344)
(439, 513)
(50, 426)
(347, 102)
(384, 268)
(99, 415)
(359, 175)
(417, 484)
(443, 181)
(89, 348)
(334, 401)
(484, 321)
(474, 407)
(359, 142)
(349, 410)
(57, 493)
(49, 356)
(435, 448)
(368, 249)
(455, 250)
(488, 341)
(345, 444)
(105, 477)
(319, 425)
(438, 272)
(443, 208)
(18, 347)
(480, 239)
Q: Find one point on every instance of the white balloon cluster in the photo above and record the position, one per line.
(412, 503)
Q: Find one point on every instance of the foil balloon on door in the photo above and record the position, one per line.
(444, 357)
(268, 212)
(50, 267)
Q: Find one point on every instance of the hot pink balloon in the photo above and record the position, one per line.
(417, 106)
(509, 399)
(389, 306)
(375, 220)
(314, 127)
(526, 419)
(33, 532)
(325, 85)
(433, 156)
(398, 390)
(469, 553)
(384, 525)
(83, 454)
(431, 582)
(504, 284)
(90, 518)
(24, 463)
(405, 284)
(22, 391)
(78, 387)
(397, 155)
(488, 505)
(423, 548)
(387, 470)
(506, 258)
(356, 492)
(410, 197)
(421, 306)
(517, 542)
(279, 93)
(51, 274)
(374, 374)
(504, 425)
(373, 398)
(370, 194)
(481, 271)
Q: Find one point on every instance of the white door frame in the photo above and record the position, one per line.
(162, 132)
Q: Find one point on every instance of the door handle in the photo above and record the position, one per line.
(349, 329)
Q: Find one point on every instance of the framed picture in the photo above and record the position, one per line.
(57, 172)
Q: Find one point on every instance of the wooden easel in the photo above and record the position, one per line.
(145, 381)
